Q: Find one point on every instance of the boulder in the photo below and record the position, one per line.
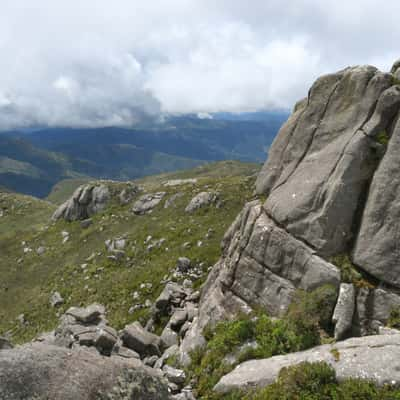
(169, 337)
(135, 337)
(171, 201)
(90, 314)
(172, 294)
(323, 159)
(202, 199)
(86, 201)
(56, 299)
(174, 375)
(373, 358)
(127, 194)
(344, 310)
(49, 372)
(147, 202)
(376, 245)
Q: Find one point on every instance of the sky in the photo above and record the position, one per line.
(91, 63)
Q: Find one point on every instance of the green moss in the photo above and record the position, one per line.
(382, 137)
(350, 273)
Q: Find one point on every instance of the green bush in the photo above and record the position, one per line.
(296, 331)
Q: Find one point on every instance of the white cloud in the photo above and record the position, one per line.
(97, 62)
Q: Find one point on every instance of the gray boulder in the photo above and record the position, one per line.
(127, 194)
(135, 337)
(147, 202)
(40, 371)
(56, 299)
(344, 310)
(90, 314)
(376, 246)
(86, 201)
(323, 159)
(373, 358)
(202, 199)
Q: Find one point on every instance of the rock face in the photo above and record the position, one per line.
(333, 188)
(86, 201)
(322, 159)
(374, 358)
(41, 371)
(376, 249)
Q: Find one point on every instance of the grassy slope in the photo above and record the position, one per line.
(26, 287)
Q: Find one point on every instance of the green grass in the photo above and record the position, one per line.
(26, 286)
(316, 381)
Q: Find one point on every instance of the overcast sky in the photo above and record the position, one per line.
(114, 62)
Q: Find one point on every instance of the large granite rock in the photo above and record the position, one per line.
(373, 358)
(44, 372)
(344, 310)
(86, 201)
(323, 158)
(378, 239)
(262, 265)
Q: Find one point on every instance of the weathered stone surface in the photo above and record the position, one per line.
(171, 201)
(344, 310)
(135, 337)
(323, 158)
(40, 371)
(147, 202)
(373, 309)
(86, 201)
(262, 265)
(90, 314)
(174, 375)
(377, 242)
(127, 194)
(169, 337)
(56, 299)
(172, 293)
(202, 199)
(374, 358)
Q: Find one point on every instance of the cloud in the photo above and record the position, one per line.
(99, 63)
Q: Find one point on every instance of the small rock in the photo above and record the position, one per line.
(56, 299)
(174, 375)
(40, 250)
(86, 223)
(183, 264)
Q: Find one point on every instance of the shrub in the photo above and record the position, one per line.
(298, 330)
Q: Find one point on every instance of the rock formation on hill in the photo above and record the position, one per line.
(332, 186)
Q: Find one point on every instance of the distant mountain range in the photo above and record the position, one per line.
(33, 160)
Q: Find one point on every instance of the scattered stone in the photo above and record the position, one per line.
(40, 250)
(178, 319)
(183, 264)
(147, 202)
(56, 299)
(150, 361)
(202, 199)
(174, 375)
(179, 182)
(90, 314)
(169, 337)
(135, 337)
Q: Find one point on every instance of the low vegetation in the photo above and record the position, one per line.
(80, 268)
(259, 336)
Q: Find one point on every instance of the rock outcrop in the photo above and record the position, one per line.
(373, 358)
(40, 371)
(86, 201)
(332, 187)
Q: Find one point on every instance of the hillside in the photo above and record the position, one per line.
(32, 162)
(80, 269)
